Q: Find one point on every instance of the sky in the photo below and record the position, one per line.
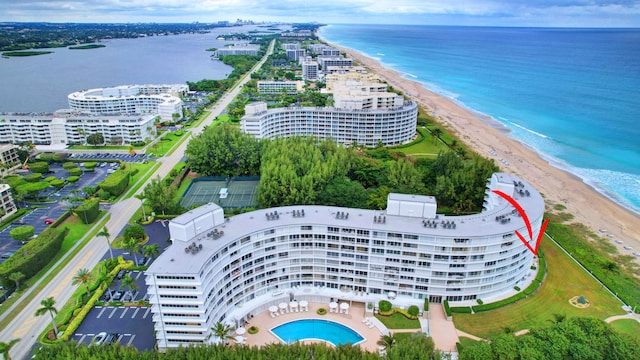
(560, 13)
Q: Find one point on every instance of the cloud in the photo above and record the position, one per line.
(482, 12)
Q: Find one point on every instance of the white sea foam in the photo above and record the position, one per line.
(411, 75)
(381, 54)
(525, 129)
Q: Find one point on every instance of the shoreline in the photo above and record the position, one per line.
(482, 133)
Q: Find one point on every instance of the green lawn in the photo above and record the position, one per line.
(425, 145)
(465, 341)
(77, 229)
(201, 118)
(403, 336)
(398, 321)
(630, 327)
(167, 142)
(144, 172)
(565, 279)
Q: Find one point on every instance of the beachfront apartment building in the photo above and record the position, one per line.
(310, 70)
(9, 155)
(296, 54)
(238, 49)
(323, 49)
(365, 126)
(161, 100)
(228, 270)
(66, 127)
(279, 87)
(326, 61)
(7, 205)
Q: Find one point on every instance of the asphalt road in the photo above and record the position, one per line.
(26, 325)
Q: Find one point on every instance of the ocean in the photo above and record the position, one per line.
(570, 94)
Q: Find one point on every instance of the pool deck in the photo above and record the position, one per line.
(353, 320)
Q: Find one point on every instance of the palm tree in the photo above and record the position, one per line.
(133, 247)
(106, 235)
(141, 197)
(152, 251)
(222, 332)
(16, 277)
(83, 276)
(436, 134)
(388, 341)
(6, 346)
(48, 305)
(128, 282)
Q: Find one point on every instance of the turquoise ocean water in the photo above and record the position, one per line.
(570, 94)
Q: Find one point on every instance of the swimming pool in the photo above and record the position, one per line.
(313, 329)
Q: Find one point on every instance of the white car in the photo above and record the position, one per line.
(100, 338)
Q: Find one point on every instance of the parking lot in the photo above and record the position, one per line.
(137, 158)
(133, 324)
(48, 210)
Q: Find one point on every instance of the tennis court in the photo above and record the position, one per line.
(240, 192)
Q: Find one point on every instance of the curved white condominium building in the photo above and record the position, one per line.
(369, 127)
(231, 269)
(162, 100)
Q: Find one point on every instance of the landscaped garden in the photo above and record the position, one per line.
(565, 280)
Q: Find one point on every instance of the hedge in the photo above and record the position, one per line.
(447, 309)
(461, 310)
(13, 180)
(75, 171)
(426, 304)
(34, 255)
(33, 177)
(57, 183)
(39, 167)
(88, 211)
(49, 158)
(116, 183)
(22, 233)
(69, 165)
(49, 179)
(90, 164)
(73, 179)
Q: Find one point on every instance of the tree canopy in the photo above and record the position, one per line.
(224, 150)
(95, 139)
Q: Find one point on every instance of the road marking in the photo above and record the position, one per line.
(112, 312)
(25, 327)
(81, 340)
(131, 340)
(101, 311)
(135, 313)
(146, 313)
(124, 312)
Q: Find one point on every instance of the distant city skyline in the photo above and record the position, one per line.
(546, 13)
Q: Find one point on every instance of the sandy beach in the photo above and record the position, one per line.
(557, 186)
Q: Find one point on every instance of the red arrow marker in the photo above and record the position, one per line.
(527, 223)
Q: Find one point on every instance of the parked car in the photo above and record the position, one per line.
(19, 222)
(142, 261)
(111, 338)
(127, 297)
(117, 296)
(49, 221)
(100, 338)
(107, 295)
(121, 274)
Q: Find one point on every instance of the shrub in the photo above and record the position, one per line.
(57, 183)
(116, 183)
(73, 179)
(35, 255)
(90, 164)
(447, 309)
(104, 195)
(516, 288)
(461, 310)
(384, 306)
(88, 211)
(14, 180)
(39, 167)
(75, 171)
(134, 232)
(49, 158)
(253, 330)
(22, 233)
(480, 302)
(322, 311)
(50, 179)
(413, 310)
(69, 165)
(32, 178)
(425, 307)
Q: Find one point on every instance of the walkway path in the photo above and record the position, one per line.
(26, 325)
(620, 317)
(443, 332)
(464, 334)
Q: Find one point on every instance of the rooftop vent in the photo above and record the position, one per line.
(298, 213)
(272, 215)
(193, 248)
